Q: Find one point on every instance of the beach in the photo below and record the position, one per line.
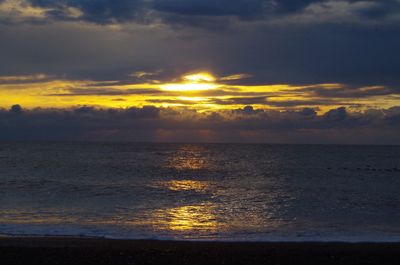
(70, 250)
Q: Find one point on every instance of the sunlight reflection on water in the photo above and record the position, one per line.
(198, 190)
(227, 206)
(200, 218)
(187, 185)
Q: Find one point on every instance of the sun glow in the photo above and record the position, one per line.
(201, 91)
(188, 87)
(193, 82)
(199, 77)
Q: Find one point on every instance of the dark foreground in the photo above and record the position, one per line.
(79, 251)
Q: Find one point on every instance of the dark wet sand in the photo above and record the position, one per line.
(57, 250)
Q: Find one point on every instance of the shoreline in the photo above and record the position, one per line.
(86, 250)
(271, 240)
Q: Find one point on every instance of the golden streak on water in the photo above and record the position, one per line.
(200, 218)
(183, 185)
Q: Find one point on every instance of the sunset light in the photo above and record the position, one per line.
(199, 77)
(193, 82)
(262, 131)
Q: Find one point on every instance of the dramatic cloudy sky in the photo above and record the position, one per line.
(275, 71)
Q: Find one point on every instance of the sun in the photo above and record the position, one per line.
(193, 82)
(199, 77)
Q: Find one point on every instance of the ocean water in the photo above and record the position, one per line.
(228, 192)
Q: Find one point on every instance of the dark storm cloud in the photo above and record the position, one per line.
(16, 109)
(356, 46)
(189, 11)
(88, 123)
(338, 114)
(287, 6)
(99, 11)
(73, 124)
(240, 8)
(382, 9)
(109, 11)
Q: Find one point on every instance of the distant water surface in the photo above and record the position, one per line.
(201, 191)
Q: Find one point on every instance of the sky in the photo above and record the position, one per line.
(251, 71)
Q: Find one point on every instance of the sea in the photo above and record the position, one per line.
(217, 192)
